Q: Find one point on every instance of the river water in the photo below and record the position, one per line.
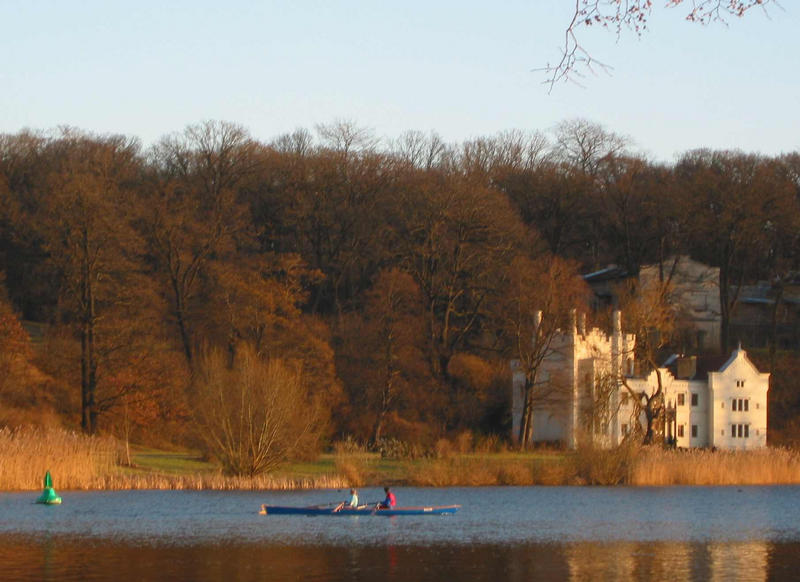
(503, 533)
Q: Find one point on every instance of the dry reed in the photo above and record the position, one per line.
(465, 471)
(76, 461)
(219, 482)
(705, 467)
(352, 465)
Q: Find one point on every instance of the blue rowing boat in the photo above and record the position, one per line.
(362, 510)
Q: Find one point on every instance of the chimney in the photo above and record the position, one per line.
(582, 324)
(687, 367)
(573, 320)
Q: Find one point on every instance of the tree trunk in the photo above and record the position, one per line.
(180, 318)
(526, 424)
(88, 363)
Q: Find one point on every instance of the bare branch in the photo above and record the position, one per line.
(632, 15)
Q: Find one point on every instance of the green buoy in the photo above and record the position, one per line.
(49, 495)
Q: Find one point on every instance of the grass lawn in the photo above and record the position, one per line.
(150, 460)
(371, 468)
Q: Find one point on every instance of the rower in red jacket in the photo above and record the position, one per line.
(390, 500)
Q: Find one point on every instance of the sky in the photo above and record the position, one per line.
(461, 69)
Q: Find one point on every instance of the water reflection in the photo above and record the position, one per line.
(660, 561)
(25, 558)
(747, 561)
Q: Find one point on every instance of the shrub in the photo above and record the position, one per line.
(390, 448)
(599, 466)
(254, 414)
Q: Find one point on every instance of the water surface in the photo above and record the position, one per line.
(510, 533)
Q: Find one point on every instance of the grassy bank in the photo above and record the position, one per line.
(80, 462)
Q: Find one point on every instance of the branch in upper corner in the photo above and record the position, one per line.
(632, 15)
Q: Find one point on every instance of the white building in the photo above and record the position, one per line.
(589, 375)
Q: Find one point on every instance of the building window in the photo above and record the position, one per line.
(740, 431)
(722, 404)
(680, 431)
(722, 432)
(740, 404)
(681, 399)
(694, 431)
(694, 399)
(758, 405)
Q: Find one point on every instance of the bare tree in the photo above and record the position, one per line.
(193, 210)
(541, 295)
(87, 231)
(347, 138)
(652, 318)
(419, 150)
(586, 146)
(298, 143)
(733, 200)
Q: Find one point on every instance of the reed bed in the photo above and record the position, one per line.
(474, 472)
(704, 467)
(76, 461)
(354, 469)
(650, 466)
(219, 482)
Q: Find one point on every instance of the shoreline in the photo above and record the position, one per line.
(78, 462)
(628, 468)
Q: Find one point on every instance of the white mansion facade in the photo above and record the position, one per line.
(710, 402)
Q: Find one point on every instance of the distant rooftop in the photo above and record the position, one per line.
(609, 273)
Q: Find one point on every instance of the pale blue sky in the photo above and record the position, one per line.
(462, 69)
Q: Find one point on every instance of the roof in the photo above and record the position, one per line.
(707, 364)
(704, 365)
(610, 273)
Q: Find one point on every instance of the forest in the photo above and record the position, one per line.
(264, 299)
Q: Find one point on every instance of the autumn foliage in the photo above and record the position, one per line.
(383, 287)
